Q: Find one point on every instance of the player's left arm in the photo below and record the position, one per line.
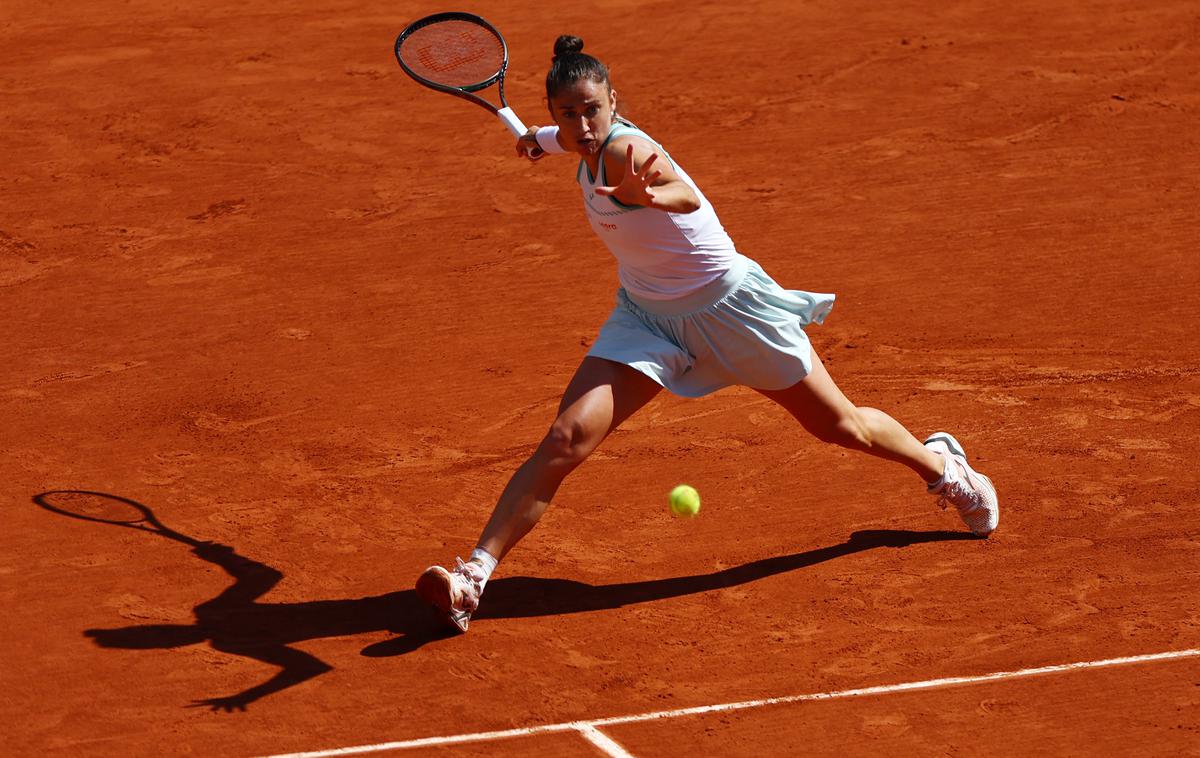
(640, 175)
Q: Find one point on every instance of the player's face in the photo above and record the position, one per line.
(584, 113)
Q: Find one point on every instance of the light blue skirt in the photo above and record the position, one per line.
(741, 329)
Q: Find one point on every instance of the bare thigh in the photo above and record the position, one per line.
(821, 408)
(600, 396)
(815, 401)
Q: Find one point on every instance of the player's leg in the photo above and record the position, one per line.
(821, 408)
(819, 405)
(600, 396)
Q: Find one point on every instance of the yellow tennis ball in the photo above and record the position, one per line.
(685, 501)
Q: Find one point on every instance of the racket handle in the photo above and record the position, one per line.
(518, 129)
(512, 122)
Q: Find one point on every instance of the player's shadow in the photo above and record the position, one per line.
(525, 596)
(235, 622)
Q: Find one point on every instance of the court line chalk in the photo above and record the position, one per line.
(589, 729)
(602, 741)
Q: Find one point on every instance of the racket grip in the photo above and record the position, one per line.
(511, 121)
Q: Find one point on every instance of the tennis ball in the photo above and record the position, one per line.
(685, 501)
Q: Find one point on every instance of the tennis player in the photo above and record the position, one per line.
(692, 315)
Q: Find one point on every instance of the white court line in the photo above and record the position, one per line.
(589, 731)
(602, 741)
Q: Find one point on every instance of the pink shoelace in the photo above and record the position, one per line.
(473, 574)
(959, 490)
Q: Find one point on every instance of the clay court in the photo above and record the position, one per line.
(259, 282)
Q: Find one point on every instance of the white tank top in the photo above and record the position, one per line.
(660, 255)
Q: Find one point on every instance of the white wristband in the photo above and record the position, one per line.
(547, 139)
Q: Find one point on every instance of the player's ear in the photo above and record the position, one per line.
(612, 100)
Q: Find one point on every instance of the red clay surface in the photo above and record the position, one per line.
(258, 281)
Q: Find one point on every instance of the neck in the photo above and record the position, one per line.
(593, 159)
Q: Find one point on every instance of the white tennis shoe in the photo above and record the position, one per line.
(455, 594)
(972, 493)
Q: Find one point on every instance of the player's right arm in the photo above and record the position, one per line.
(528, 145)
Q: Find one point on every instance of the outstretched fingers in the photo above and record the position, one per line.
(632, 170)
(635, 185)
(646, 166)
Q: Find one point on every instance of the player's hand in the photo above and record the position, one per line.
(228, 704)
(636, 187)
(527, 146)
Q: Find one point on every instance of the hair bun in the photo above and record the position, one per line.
(567, 44)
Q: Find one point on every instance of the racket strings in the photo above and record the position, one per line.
(93, 507)
(453, 53)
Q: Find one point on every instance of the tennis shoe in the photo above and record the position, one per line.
(454, 594)
(971, 493)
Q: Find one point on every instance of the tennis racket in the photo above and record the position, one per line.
(109, 509)
(459, 54)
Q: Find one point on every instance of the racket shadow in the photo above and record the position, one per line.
(236, 622)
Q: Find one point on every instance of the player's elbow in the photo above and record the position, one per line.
(689, 203)
(676, 197)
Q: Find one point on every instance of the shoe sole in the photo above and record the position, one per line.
(434, 588)
(996, 498)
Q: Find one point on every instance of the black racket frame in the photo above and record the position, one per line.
(467, 91)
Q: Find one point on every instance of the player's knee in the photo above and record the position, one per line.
(567, 444)
(848, 430)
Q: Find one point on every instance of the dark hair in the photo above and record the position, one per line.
(570, 64)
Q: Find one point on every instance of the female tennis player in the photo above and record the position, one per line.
(692, 315)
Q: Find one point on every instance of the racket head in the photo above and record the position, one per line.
(453, 52)
(99, 507)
